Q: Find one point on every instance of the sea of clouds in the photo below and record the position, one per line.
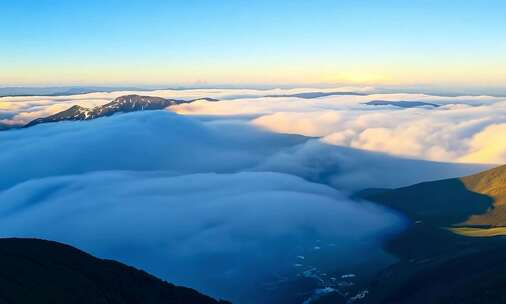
(214, 199)
(461, 129)
(16, 110)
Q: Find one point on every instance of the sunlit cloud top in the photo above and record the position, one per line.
(253, 42)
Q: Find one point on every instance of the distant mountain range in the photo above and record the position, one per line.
(401, 103)
(61, 91)
(38, 271)
(311, 95)
(123, 104)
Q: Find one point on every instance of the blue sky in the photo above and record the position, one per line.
(166, 42)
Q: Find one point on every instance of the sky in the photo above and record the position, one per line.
(155, 42)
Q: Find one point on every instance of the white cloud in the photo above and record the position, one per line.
(488, 145)
(441, 134)
(160, 140)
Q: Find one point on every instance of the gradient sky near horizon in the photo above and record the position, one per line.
(106, 42)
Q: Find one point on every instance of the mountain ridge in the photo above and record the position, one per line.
(477, 200)
(401, 103)
(122, 104)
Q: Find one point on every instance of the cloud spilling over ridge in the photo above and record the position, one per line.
(350, 169)
(458, 130)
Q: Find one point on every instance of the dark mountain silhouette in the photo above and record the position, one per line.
(38, 271)
(469, 274)
(311, 95)
(401, 103)
(62, 91)
(123, 104)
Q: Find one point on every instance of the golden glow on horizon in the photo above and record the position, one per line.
(250, 74)
(4, 105)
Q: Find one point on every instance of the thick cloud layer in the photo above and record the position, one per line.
(211, 203)
(163, 141)
(460, 129)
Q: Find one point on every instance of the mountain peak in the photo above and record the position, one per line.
(134, 98)
(122, 104)
(77, 107)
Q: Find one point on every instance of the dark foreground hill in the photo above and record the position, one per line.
(465, 271)
(38, 271)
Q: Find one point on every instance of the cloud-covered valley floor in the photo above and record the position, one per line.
(222, 198)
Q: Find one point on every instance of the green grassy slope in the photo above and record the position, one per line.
(474, 201)
(437, 265)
